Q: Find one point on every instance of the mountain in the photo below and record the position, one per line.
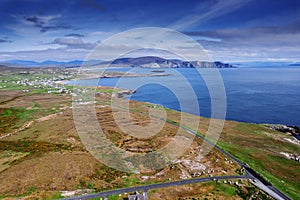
(146, 62)
(49, 63)
(20, 63)
(157, 62)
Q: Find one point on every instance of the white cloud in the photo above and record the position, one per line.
(60, 54)
(206, 12)
(75, 43)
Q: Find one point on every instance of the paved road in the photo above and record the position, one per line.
(258, 180)
(156, 186)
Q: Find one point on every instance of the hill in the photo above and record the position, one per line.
(146, 62)
(157, 62)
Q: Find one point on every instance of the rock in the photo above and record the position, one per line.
(293, 157)
(122, 93)
(294, 130)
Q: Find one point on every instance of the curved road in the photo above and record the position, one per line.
(259, 181)
(156, 186)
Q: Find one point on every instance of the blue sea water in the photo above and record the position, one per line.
(256, 95)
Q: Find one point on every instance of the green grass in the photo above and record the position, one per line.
(10, 83)
(12, 118)
(231, 190)
(30, 190)
(113, 197)
(33, 190)
(24, 114)
(226, 189)
(35, 105)
(109, 91)
(252, 157)
(20, 113)
(56, 195)
(250, 144)
(248, 128)
(131, 181)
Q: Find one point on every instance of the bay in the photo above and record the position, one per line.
(255, 95)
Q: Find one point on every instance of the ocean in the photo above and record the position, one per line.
(255, 95)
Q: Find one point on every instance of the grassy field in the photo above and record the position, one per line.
(262, 153)
(261, 148)
(51, 149)
(236, 189)
(44, 140)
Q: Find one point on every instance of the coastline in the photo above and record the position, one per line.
(252, 137)
(116, 75)
(123, 92)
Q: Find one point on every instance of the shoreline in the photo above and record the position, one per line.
(118, 75)
(245, 131)
(123, 92)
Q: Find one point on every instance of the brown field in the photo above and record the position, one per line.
(49, 156)
(41, 153)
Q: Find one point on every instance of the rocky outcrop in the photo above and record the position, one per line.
(293, 130)
(293, 157)
(122, 93)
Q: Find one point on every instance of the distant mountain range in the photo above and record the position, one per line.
(48, 63)
(146, 62)
(29, 63)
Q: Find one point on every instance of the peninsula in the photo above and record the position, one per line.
(38, 133)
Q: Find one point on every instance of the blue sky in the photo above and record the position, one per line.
(229, 30)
